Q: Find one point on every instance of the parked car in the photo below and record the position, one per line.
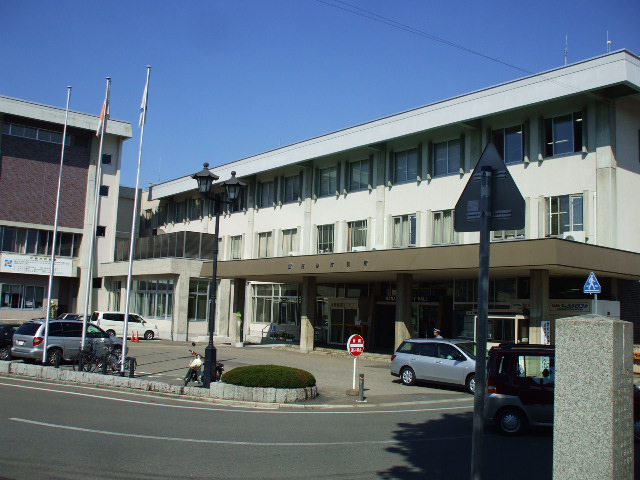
(113, 324)
(71, 316)
(451, 362)
(6, 339)
(520, 388)
(64, 340)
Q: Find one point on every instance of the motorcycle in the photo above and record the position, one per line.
(195, 366)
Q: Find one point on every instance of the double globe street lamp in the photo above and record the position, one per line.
(232, 188)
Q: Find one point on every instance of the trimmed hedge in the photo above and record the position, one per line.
(269, 376)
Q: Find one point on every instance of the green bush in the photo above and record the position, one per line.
(269, 376)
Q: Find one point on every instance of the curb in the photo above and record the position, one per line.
(218, 390)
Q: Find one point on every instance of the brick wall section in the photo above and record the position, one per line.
(29, 182)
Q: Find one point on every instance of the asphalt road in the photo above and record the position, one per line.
(54, 431)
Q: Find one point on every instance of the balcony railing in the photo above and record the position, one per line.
(194, 245)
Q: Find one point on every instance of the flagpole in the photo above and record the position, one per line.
(134, 221)
(55, 234)
(96, 200)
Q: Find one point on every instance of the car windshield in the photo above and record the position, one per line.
(468, 347)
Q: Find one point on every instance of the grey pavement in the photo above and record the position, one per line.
(166, 361)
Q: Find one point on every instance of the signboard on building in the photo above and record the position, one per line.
(33, 265)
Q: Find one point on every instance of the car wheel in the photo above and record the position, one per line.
(408, 376)
(4, 352)
(148, 335)
(54, 356)
(636, 430)
(111, 333)
(511, 421)
(470, 384)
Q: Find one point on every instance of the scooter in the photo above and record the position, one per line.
(195, 367)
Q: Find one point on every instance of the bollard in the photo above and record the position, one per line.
(81, 363)
(56, 361)
(361, 389)
(104, 364)
(9, 354)
(132, 366)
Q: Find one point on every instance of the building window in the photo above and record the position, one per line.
(198, 300)
(289, 241)
(106, 159)
(264, 244)
(443, 232)
(563, 134)
(357, 235)
(405, 168)
(446, 157)
(500, 235)
(359, 175)
(179, 211)
(328, 181)
(509, 143)
(35, 133)
(404, 231)
(236, 247)
(325, 238)
(101, 231)
(115, 288)
(276, 304)
(97, 282)
(104, 190)
(565, 214)
(266, 194)
(21, 297)
(154, 298)
(291, 189)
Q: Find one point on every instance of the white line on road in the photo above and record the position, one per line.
(231, 442)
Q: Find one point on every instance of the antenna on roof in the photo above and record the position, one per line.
(566, 48)
(608, 43)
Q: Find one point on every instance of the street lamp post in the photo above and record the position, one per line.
(232, 187)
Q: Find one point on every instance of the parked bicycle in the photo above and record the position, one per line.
(90, 360)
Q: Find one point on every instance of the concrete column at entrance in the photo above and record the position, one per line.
(403, 308)
(307, 314)
(539, 295)
(181, 303)
(237, 315)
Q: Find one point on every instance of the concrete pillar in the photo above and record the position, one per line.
(179, 329)
(403, 308)
(307, 314)
(606, 176)
(539, 296)
(593, 411)
(238, 291)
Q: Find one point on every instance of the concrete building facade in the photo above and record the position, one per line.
(352, 232)
(31, 146)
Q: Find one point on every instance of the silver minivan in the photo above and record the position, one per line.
(64, 340)
(451, 362)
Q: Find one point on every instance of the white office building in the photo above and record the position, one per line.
(352, 232)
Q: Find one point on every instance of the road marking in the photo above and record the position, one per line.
(263, 408)
(232, 442)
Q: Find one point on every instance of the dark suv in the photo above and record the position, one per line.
(520, 386)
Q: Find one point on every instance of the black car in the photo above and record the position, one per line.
(6, 339)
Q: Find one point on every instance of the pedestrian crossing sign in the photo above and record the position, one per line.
(592, 285)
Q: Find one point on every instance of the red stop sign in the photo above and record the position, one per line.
(355, 345)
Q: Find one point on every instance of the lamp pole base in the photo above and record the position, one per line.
(210, 361)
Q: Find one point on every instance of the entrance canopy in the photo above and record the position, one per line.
(511, 258)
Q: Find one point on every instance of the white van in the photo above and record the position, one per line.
(113, 324)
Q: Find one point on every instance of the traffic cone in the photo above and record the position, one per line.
(137, 337)
(133, 337)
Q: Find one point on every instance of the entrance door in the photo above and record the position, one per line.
(342, 319)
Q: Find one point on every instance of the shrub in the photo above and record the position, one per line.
(269, 376)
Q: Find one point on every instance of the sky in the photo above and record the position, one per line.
(235, 78)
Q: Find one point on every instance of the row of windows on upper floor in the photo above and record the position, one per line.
(32, 241)
(564, 214)
(558, 135)
(44, 135)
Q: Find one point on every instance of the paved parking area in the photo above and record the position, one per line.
(168, 362)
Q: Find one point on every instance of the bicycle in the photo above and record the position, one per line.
(92, 362)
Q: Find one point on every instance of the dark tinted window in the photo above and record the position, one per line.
(116, 317)
(428, 349)
(55, 329)
(95, 332)
(405, 347)
(28, 329)
(72, 329)
(447, 351)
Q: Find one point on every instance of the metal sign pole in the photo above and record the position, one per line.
(481, 333)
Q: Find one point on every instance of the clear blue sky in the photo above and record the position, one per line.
(234, 78)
